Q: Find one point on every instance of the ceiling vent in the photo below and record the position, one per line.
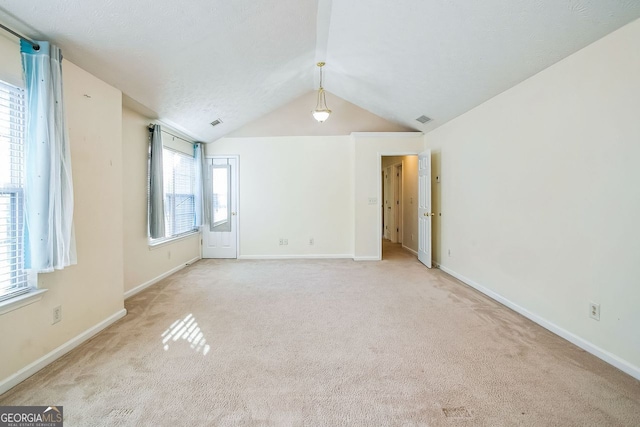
(423, 119)
(216, 122)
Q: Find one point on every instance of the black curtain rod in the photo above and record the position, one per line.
(35, 45)
(151, 125)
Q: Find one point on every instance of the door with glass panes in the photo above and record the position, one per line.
(220, 234)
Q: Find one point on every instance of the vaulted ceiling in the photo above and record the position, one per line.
(196, 61)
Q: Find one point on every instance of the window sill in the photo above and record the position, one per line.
(23, 300)
(165, 242)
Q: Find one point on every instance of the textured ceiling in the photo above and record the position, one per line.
(193, 62)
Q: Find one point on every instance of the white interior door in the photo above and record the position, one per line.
(220, 235)
(398, 202)
(387, 195)
(425, 216)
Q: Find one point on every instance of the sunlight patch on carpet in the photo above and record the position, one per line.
(186, 329)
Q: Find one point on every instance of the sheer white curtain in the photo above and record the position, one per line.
(49, 235)
(203, 204)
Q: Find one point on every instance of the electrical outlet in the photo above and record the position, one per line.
(286, 241)
(594, 311)
(57, 314)
(449, 252)
(311, 242)
(281, 242)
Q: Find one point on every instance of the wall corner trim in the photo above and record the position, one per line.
(145, 285)
(32, 368)
(600, 353)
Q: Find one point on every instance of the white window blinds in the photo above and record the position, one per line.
(179, 194)
(13, 278)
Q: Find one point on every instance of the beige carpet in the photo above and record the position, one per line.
(327, 343)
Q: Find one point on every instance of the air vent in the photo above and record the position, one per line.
(216, 122)
(423, 119)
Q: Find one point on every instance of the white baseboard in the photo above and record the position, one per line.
(410, 250)
(600, 353)
(145, 285)
(34, 367)
(304, 256)
(366, 258)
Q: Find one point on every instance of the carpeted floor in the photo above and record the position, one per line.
(327, 343)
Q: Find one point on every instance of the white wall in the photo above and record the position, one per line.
(368, 148)
(539, 196)
(90, 292)
(144, 265)
(294, 188)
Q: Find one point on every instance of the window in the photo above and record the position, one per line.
(179, 179)
(221, 205)
(13, 277)
(179, 197)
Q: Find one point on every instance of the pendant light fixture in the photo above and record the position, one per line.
(321, 113)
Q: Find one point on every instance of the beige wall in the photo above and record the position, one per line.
(295, 188)
(295, 119)
(90, 292)
(410, 201)
(144, 265)
(302, 187)
(539, 196)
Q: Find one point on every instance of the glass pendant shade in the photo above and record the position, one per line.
(322, 112)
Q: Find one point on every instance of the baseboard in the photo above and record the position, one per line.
(600, 353)
(305, 256)
(45, 360)
(366, 258)
(145, 285)
(410, 250)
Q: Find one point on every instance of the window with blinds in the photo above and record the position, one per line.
(13, 277)
(179, 195)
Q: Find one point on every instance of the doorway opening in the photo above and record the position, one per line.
(399, 194)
